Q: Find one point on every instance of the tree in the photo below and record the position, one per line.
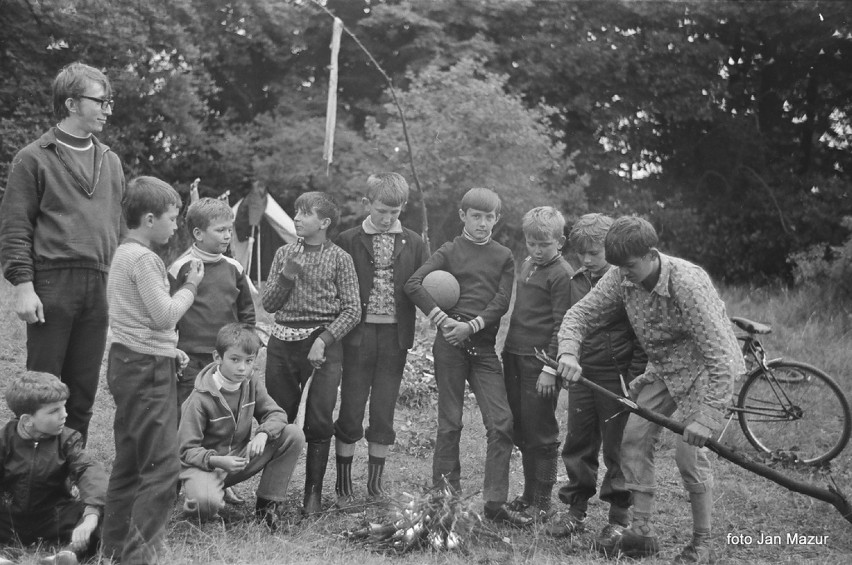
(468, 131)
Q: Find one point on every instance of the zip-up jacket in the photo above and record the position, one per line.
(208, 427)
(409, 253)
(34, 474)
(614, 345)
(51, 218)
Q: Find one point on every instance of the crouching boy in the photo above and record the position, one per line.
(39, 457)
(216, 447)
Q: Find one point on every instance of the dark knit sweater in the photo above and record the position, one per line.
(223, 297)
(541, 300)
(485, 274)
(51, 217)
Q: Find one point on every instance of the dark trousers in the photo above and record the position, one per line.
(534, 416)
(481, 368)
(53, 525)
(371, 369)
(595, 420)
(70, 343)
(141, 489)
(186, 380)
(287, 371)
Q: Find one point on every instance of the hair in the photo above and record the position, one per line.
(31, 390)
(146, 195)
(483, 199)
(543, 222)
(390, 189)
(588, 231)
(238, 335)
(205, 211)
(629, 237)
(320, 202)
(72, 82)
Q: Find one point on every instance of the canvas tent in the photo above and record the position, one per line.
(261, 227)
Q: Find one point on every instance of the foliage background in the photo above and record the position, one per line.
(727, 123)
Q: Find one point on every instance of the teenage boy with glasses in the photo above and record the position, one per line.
(60, 218)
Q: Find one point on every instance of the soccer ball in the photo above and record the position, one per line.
(443, 288)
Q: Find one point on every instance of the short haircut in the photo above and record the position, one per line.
(72, 82)
(543, 223)
(628, 238)
(205, 211)
(483, 199)
(147, 195)
(588, 231)
(321, 203)
(31, 390)
(390, 189)
(238, 335)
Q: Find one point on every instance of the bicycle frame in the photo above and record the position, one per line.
(752, 347)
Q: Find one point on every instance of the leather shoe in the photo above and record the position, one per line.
(569, 526)
(608, 539)
(506, 515)
(632, 544)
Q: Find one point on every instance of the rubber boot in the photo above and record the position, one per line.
(315, 464)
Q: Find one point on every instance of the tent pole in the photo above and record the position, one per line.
(259, 273)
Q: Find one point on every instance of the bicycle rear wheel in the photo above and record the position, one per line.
(794, 408)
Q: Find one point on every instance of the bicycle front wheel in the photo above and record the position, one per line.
(794, 408)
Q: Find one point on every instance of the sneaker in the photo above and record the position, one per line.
(608, 539)
(505, 515)
(64, 557)
(520, 504)
(696, 553)
(570, 525)
(632, 544)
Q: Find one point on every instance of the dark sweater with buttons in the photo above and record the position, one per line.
(541, 299)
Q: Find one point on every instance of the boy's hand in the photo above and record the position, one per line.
(546, 385)
(316, 356)
(257, 445)
(28, 305)
(456, 332)
(228, 463)
(292, 268)
(182, 359)
(569, 369)
(195, 272)
(636, 385)
(81, 534)
(696, 434)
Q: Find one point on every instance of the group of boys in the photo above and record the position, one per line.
(344, 316)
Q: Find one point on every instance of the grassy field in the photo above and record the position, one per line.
(746, 505)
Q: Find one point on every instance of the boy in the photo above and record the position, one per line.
(385, 255)
(39, 456)
(223, 297)
(464, 348)
(141, 375)
(215, 429)
(313, 291)
(607, 355)
(693, 358)
(541, 299)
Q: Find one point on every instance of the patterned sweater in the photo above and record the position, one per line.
(325, 293)
(142, 314)
(682, 326)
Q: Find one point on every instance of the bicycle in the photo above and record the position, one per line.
(788, 407)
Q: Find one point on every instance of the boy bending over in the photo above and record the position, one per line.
(693, 358)
(216, 447)
(39, 457)
(464, 349)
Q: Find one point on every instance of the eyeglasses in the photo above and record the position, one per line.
(105, 104)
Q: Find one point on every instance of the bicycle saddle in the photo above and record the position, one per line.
(751, 327)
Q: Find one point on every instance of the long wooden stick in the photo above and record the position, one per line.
(831, 495)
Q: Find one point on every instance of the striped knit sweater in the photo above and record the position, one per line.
(324, 293)
(142, 314)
